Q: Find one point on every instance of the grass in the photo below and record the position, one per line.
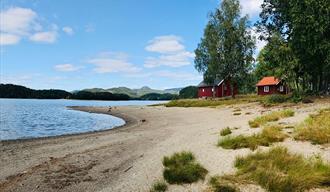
(182, 168)
(240, 99)
(269, 135)
(219, 184)
(273, 116)
(225, 131)
(237, 113)
(278, 170)
(275, 99)
(159, 186)
(315, 128)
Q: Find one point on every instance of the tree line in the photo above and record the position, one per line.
(297, 50)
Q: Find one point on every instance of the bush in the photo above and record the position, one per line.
(159, 186)
(269, 135)
(225, 131)
(277, 170)
(274, 99)
(182, 168)
(316, 128)
(189, 92)
(273, 116)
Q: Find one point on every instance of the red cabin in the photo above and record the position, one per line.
(220, 88)
(271, 85)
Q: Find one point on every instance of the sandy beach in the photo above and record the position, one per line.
(129, 158)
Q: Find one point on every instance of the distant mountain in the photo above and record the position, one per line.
(134, 92)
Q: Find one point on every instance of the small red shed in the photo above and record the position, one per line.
(271, 85)
(220, 88)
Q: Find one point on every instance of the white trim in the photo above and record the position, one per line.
(220, 82)
(281, 88)
(266, 89)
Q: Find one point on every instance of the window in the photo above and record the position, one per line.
(281, 88)
(266, 89)
(203, 90)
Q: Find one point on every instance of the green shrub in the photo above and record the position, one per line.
(225, 131)
(316, 128)
(274, 99)
(159, 186)
(182, 168)
(273, 116)
(219, 184)
(269, 135)
(277, 170)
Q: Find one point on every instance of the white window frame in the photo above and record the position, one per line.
(203, 90)
(281, 88)
(266, 89)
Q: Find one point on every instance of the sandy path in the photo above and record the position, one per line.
(129, 158)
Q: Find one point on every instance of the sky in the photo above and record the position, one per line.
(74, 44)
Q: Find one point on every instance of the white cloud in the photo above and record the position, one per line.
(18, 23)
(66, 67)
(172, 52)
(165, 44)
(112, 62)
(9, 39)
(44, 37)
(68, 30)
(251, 7)
(260, 44)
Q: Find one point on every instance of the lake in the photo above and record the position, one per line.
(31, 118)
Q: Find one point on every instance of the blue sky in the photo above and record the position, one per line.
(74, 44)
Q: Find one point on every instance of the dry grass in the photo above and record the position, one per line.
(316, 128)
(273, 116)
(159, 186)
(269, 135)
(278, 170)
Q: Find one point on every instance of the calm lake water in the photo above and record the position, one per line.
(30, 118)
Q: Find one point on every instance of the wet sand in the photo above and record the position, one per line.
(129, 158)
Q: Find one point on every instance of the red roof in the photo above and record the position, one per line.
(268, 81)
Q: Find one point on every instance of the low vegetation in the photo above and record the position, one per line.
(315, 128)
(273, 116)
(225, 131)
(220, 184)
(269, 135)
(159, 186)
(278, 170)
(275, 99)
(182, 168)
(237, 113)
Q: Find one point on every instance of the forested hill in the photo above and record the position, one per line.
(17, 91)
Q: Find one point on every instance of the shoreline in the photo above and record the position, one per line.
(129, 157)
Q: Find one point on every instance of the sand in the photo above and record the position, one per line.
(129, 158)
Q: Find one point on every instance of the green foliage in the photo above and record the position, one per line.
(182, 168)
(219, 184)
(316, 128)
(158, 96)
(273, 116)
(226, 49)
(85, 95)
(269, 135)
(278, 170)
(159, 186)
(16, 91)
(189, 92)
(275, 99)
(225, 131)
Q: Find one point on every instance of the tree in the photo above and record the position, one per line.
(226, 49)
(189, 92)
(304, 26)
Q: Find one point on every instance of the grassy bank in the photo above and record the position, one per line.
(273, 116)
(316, 128)
(269, 135)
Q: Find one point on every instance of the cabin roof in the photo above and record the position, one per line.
(271, 80)
(217, 82)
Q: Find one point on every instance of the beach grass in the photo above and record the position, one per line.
(316, 128)
(225, 131)
(278, 170)
(270, 134)
(220, 184)
(159, 186)
(273, 116)
(182, 168)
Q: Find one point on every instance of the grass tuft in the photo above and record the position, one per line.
(219, 184)
(182, 168)
(237, 113)
(273, 116)
(277, 170)
(269, 135)
(225, 131)
(315, 128)
(159, 186)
